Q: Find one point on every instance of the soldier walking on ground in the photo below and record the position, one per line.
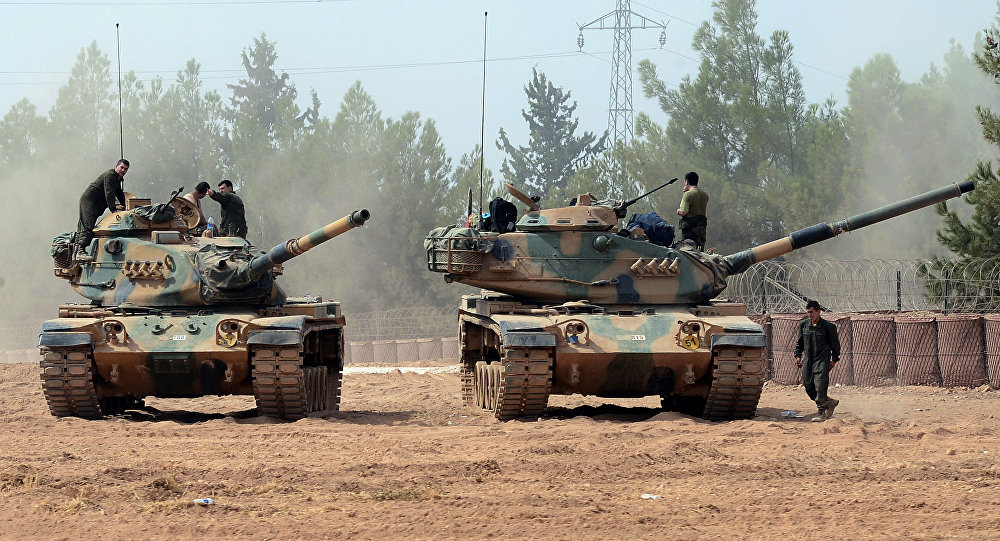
(694, 206)
(234, 222)
(102, 194)
(816, 353)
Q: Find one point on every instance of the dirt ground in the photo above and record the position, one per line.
(405, 459)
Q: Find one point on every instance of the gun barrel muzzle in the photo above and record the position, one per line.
(292, 248)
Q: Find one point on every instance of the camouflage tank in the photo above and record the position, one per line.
(568, 306)
(175, 315)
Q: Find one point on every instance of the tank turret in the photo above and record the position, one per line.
(573, 253)
(144, 256)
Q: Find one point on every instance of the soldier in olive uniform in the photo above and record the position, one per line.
(816, 353)
(101, 195)
(234, 222)
(693, 209)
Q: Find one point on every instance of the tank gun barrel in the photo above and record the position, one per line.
(740, 261)
(295, 247)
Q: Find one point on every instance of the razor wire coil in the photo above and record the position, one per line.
(869, 285)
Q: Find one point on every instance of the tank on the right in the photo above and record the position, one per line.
(571, 306)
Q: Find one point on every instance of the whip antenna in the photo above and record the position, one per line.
(121, 128)
(482, 125)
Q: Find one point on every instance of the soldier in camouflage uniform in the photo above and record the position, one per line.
(99, 196)
(234, 222)
(816, 353)
(693, 209)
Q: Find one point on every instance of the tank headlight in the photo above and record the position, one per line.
(228, 333)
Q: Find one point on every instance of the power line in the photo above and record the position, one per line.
(328, 69)
(174, 3)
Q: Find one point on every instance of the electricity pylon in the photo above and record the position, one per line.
(620, 114)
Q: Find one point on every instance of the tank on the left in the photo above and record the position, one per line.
(175, 315)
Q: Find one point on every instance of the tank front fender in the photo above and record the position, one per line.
(275, 338)
(754, 340)
(65, 339)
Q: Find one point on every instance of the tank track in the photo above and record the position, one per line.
(469, 389)
(68, 382)
(518, 387)
(286, 389)
(737, 381)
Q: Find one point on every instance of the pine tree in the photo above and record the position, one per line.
(977, 239)
(554, 152)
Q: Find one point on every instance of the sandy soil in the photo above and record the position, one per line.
(406, 460)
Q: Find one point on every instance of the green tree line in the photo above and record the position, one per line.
(771, 161)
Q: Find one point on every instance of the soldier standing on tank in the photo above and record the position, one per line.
(234, 222)
(816, 353)
(101, 194)
(194, 197)
(694, 206)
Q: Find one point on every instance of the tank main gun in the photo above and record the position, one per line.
(296, 247)
(741, 261)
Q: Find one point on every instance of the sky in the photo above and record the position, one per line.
(426, 56)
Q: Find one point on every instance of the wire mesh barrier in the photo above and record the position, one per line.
(873, 339)
(960, 350)
(843, 372)
(869, 285)
(403, 323)
(785, 329)
(916, 351)
(991, 330)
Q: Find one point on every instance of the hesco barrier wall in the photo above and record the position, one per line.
(960, 350)
(991, 331)
(784, 334)
(917, 351)
(404, 351)
(843, 372)
(873, 338)
(956, 350)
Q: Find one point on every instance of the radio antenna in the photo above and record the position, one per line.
(482, 125)
(121, 125)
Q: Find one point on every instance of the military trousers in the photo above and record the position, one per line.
(90, 212)
(816, 379)
(697, 235)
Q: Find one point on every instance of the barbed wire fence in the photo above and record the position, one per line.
(869, 285)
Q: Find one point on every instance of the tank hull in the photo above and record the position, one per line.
(710, 358)
(99, 362)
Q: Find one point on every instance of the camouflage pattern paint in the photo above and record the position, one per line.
(569, 306)
(175, 315)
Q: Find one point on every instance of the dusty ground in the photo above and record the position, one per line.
(406, 460)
